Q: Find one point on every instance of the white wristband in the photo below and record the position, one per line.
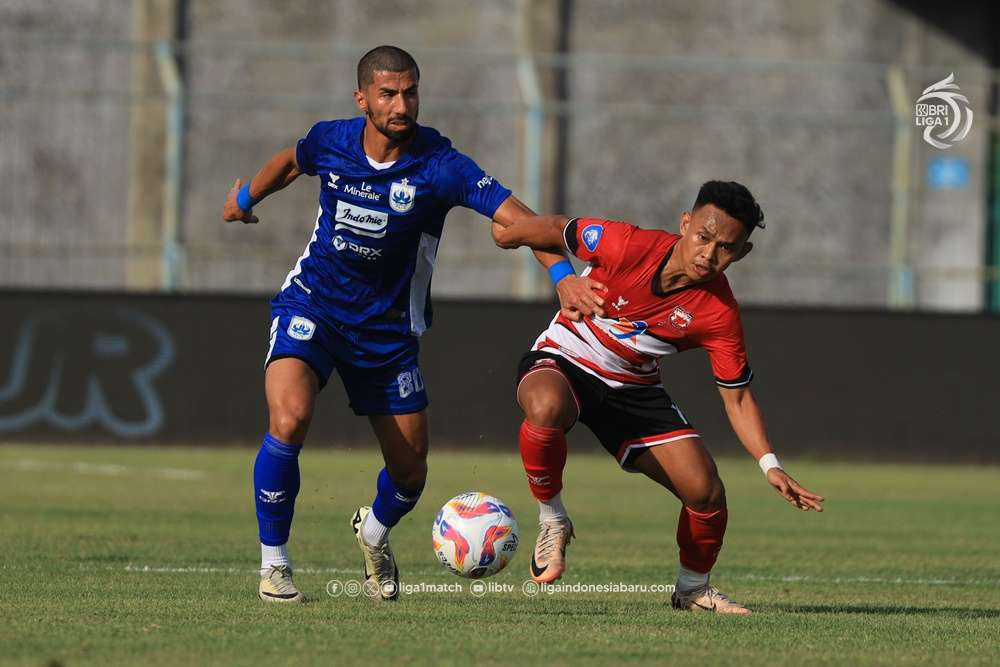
(768, 461)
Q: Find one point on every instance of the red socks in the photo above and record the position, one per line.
(543, 453)
(699, 535)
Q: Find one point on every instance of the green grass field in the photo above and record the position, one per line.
(129, 555)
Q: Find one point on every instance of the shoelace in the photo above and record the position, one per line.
(283, 583)
(713, 594)
(548, 539)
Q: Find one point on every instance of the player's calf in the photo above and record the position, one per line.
(276, 485)
(543, 453)
(392, 502)
(699, 537)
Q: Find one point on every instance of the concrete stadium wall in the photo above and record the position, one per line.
(769, 92)
(153, 370)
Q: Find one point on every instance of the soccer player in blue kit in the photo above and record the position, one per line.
(358, 299)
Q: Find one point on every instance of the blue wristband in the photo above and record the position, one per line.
(244, 200)
(560, 270)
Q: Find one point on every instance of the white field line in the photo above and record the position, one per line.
(105, 469)
(892, 581)
(239, 570)
(865, 580)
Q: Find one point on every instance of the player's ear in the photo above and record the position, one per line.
(359, 99)
(744, 251)
(685, 222)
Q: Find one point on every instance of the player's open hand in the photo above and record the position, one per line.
(802, 498)
(231, 212)
(579, 297)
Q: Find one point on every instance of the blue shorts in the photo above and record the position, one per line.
(380, 370)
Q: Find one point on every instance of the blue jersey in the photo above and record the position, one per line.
(368, 264)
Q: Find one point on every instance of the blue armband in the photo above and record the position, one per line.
(560, 270)
(244, 200)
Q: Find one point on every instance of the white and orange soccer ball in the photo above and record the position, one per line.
(475, 535)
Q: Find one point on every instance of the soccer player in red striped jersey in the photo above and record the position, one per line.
(665, 293)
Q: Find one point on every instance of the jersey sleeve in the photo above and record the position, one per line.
(462, 182)
(600, 242)
(308, 148)
(727, 350)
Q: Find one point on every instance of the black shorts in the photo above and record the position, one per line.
(626, 421)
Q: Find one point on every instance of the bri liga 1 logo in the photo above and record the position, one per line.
(944, 113)
(592, 236)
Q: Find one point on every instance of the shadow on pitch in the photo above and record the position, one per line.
(951, 612)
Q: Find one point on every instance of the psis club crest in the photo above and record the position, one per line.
(401, 196)
(680, 318)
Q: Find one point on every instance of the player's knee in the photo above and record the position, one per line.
(547, 409)
(708, 495)
(290, 423)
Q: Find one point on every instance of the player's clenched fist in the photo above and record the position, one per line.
(231, 211)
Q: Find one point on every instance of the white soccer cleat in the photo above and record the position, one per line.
(381, 573)
(708, 599)
(277, 586)
(548, 560)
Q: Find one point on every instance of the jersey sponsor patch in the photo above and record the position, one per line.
(625, 328)
(592, 236)
(301, 328)
(402, 195)
(360, 220)
(365, 252)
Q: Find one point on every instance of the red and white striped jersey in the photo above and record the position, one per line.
(642, 323)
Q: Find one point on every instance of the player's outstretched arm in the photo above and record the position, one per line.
(748, 424)
(276, 174)
(538, 232)
(516, 225)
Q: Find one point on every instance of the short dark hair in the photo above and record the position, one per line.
(384, 59)
(734, 199)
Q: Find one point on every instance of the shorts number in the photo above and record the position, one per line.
(410, 382)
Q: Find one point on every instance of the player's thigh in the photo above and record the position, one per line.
(687, 469)
(297, 366)
(546, 397)
(404, 441)
(290, 386)
(646, 432)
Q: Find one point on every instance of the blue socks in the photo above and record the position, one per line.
(275, 483)
(392, 502)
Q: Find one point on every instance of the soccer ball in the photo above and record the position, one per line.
(474, 535)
